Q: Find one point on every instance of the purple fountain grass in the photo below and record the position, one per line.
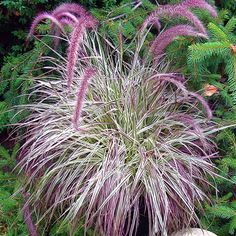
(122, 158)
(200, 4)
(88, 74)
(38, 19)
(174, 11)
(146, 143)
(164, 39)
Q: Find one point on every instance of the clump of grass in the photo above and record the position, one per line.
(124, 136)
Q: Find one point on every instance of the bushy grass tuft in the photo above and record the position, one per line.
(126, 136)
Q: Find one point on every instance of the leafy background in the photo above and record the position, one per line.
(18, 64)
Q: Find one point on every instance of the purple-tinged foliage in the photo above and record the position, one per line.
(164, 39)
(174, 81)
(189, 120)
(88, 74)
(204, 104)
(28, 217)
(141, 141)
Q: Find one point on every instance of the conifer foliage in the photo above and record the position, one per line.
(221, 48)
(220, 217)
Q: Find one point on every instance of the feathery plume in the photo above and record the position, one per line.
(164, 39)
(76, 37)
(154, 20)
(88, 74)
(39, 18)
(65, 18)
(200, 4)
(174, 81)
(68, 16)
(74, 45)
(174, 11)
(71, 8)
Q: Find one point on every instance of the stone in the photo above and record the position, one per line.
(193, 232)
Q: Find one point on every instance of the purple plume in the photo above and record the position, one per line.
(74, 46)
(78, 11)
(76, 38)
(65, 18)
(182, 11)
(68, 16)
(200, 4)
(88, 74)
(204, 104)
(154, 20)
(71, 8)
(64, 22)
(164, 39)
(41, 17)
(174, 11)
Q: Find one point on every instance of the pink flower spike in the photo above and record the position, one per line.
(204, 104)
(70, 8)
(88, 74)
(90, 21)
(182, 11)
(78, 11)
(173, 11)
(151, 20)
(200, 4)
(76, 38)
(164, 39)
(67, 15)
(41, 17)
(64, 21)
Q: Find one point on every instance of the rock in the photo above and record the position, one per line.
(193, 232)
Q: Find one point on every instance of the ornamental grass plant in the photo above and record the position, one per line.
(112, 134)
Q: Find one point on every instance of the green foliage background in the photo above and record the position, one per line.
(213, 61)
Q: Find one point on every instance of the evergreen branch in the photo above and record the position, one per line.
(218, 33)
